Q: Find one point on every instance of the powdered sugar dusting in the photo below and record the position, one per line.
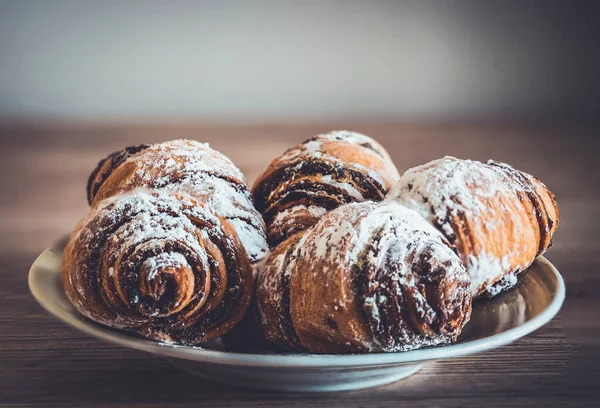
(120, 250)
(149, 220)
(347, 187)
(312, 210)
(184, 156)
(164, 259)
(314, 148)
(403, 224)
(343, 236)
(325, 171)
(484, 267)
(508, 281)
(193, 168)
(450, 185)
(445, 189)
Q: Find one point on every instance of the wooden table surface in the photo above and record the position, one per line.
(44, 362)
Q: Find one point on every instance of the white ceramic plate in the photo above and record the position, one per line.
(532, 303)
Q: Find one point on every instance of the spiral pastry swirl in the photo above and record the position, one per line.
(158, 264)
(185, 167)
(318, 175)
(368, 277)
(497, 218)
(106, 166)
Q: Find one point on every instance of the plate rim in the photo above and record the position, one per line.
(203, 355)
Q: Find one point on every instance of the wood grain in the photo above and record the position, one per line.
(43, 170)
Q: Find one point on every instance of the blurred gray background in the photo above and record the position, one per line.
(308, 60)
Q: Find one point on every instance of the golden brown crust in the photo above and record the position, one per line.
(106, 166)
(317, 176)
(367, 277)
(192, 168)
(347, 278)
(167, 247)
(499, 219)
(160, 265)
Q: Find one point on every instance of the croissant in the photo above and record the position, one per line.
(159, 264)
(168, 245)
(366, 277)
(318, 175)
(302, 185)
(185, 166)
(497, 218)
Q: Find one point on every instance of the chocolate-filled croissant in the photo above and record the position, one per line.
(168, 247)
(189, 167)
(367, 277)
(159, 264)
(497, 218)
(304, 184)
(318, 175)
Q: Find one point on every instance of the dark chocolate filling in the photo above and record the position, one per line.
(287, 324)
(398, 318)
(387, 328)
(193, 328)
(370, 188)
(271, 199)
(116, 159)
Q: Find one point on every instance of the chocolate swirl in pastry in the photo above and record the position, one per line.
(318, 175)
(367, 277)
(193, 168)
(106, 166)
(158, 264)
(497, 218)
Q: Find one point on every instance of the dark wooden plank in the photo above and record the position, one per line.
(43, 168)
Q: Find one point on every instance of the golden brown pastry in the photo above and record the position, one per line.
(318, 175)
(168, 246)
(159, 264)
(106, 166)
(497, 218)
(189, 167)
(368, 277)
(302, 185)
